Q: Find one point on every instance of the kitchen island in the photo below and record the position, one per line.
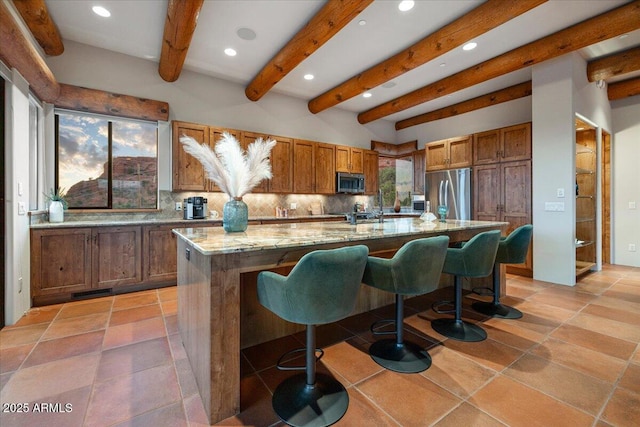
(210, 265)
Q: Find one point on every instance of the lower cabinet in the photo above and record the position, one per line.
(159, 262)
(116, 256)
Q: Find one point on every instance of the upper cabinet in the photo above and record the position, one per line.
(188, 173)
(349, 159)
(502, 145)
(281, 165)
(418, 159)
(304, 167)
(449, 153)
(325, 168)
(370, 172)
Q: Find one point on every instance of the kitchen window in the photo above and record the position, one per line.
(106, 162)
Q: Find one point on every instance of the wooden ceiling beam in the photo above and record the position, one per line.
(614, 65)
(36, 15)
(624, 89)
(18, 52)
(181, 21)
(504, 95)
(483, 18)
(602, 27)
(333, 16)
(100, 102)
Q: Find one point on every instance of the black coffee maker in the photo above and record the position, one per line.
(195, 208)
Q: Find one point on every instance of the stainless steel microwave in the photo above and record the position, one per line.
(352, 183)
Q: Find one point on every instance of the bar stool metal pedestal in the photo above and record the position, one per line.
(321, 288)
(511, 250)
(414, 270)
(474, 259)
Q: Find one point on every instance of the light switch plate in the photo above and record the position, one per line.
(632, 205)
(560, 192)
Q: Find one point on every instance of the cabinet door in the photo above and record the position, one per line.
(357, 160)
(486, 192)
(60, 261)
(460, 152)
(342, 158)
(418, 171)
(486, 147)
(247, 139)
(516, 202)
(516, 142)
(215, 134)
(436, 155)
(370, 172)
(188, 173)
(159, 259)
(281, 166)
(325, 168)
(303, 166)
(117, 256)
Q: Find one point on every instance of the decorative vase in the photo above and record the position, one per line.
(235, 215)
(443, 210)
(56, 211)
(396, 205)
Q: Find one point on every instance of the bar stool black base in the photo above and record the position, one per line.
(496, 310)
(459, 330)
(407, 358)
(322, 404)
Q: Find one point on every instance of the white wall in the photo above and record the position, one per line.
(497, 116)
(203, 99)
(17, 283)
(626, 180)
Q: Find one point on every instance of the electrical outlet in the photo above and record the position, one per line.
(632, 247)
(178, 206)
(294, 206)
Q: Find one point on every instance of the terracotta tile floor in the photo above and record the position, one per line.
(573, 360)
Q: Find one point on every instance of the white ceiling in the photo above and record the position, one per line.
(136, 28)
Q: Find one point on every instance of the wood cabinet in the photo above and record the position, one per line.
(281, 166)
(371, 172)
(159, 262)
(304, 167)
(502, 192)
(188, 173)
(325, 168)
(502, 145)
(116, 256)
(585, 200)
(449, 153)
(215, 134)
(418, 159)
(60, 261)
(349, 159)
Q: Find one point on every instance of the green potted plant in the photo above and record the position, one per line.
(57, 204)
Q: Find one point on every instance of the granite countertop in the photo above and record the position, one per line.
(210, 241)
(206, 222)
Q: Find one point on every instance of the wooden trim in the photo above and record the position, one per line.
(36, 15)
(483, 18)
(393, 150)
(504, 95)
(333, 16)
(624, 89)
(181, 21)
(101, 102)
(602, 27)
(16, 51)
(614, 65)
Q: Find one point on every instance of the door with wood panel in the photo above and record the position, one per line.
(460, 152)
(371, 172)
(515, 142)
(304, 166)
(159, 258)
(116, 256)
(215, 134)
(188, 173)
(325, 167)
(247, 139)
(486, 192)
(281, 165)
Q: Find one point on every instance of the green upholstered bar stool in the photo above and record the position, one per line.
(474, 258)
(414, 270)
(321, 288)
(511, 250)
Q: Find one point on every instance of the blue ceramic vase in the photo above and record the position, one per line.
(235, 215)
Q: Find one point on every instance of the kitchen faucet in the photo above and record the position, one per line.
(381, 214)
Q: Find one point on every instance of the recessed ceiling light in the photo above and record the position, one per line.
(470, 46)
(362, 22)
(308, 76)
(405, 5)
(230, 52)
(389, 85)
(101, 11)
(246, 33)
(366, 95)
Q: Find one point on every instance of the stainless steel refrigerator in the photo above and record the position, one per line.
(452, 185)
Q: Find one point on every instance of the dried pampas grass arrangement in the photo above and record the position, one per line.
(233, 170)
